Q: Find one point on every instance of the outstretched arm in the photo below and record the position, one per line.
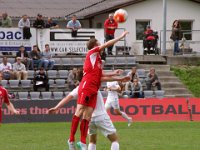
(115, 78)
(60, 104)
(12, 109)
(112, 42)
(114, 73)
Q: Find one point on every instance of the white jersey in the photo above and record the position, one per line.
(99, 109)
(112, 95)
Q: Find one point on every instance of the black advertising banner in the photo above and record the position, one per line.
(36, 111)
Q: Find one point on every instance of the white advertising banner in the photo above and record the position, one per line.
(61, 40)
(12, 38)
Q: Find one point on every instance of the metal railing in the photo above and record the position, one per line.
(189, 44)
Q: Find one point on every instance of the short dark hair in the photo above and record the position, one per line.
(46, 45)
(91, 43)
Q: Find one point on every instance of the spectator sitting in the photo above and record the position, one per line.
(39, 22)
(24, 56)
(150, 39)
(41, 80)
(24, 24)
(51, 24)
(74, 25)
(47, 58)
(6, 69)
(20, 70)
(133, 75)
(136, 89)
(36, 58)
(152, 80)
(6, 20)
(72, 79)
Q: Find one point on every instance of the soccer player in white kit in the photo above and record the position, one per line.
(112, 100)
(100, 120)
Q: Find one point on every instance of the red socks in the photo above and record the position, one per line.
(84, 130)
(74, 126)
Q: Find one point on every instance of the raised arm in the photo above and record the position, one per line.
(112, 42)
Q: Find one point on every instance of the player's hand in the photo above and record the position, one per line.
(124, 34)
(118, 72)
(52, 111)
(16, 112)
(126, 79)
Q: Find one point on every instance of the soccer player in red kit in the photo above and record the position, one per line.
(89, 85)
(4, 99)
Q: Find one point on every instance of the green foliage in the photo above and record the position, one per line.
(190, 76)
(140, 136)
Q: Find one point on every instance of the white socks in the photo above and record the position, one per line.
(124, 115)
(115, 146)
(91, 146)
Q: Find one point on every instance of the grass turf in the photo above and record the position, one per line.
(189, 75)
(140, 136)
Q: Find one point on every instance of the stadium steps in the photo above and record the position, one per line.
(158, 68)
(168, 79)
(176, 91)
(150, 59)
(172, 84)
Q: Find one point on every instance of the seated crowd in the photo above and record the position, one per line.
(25, 61)
(134, 88)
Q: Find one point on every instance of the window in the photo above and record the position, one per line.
(140, 28)
(186, 27)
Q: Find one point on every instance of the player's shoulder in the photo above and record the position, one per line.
(2, 89)
(93, 50)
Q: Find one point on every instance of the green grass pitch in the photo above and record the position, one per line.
(140, 136)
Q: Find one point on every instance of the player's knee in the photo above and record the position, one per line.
(117, 111)
(79, 112)
(113, 137)
(93, 139)
(87, 116)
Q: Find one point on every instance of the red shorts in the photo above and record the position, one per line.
(87, 99)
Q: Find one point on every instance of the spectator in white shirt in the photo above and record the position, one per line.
(24, 24)
(20, 70)
(6, 69)
(47, 58)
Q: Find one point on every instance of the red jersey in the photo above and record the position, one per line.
(150, 38)
(92, 70)
(3, 98)
(148, 32)
(110, 23)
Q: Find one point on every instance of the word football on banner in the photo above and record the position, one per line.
(151, 109)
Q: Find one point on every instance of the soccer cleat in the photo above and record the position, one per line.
(130, 120)
(71, 145)
(81, 146)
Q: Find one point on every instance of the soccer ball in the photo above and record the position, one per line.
(120, 15)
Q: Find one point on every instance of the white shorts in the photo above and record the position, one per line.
(104, 125)
(113, 104)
